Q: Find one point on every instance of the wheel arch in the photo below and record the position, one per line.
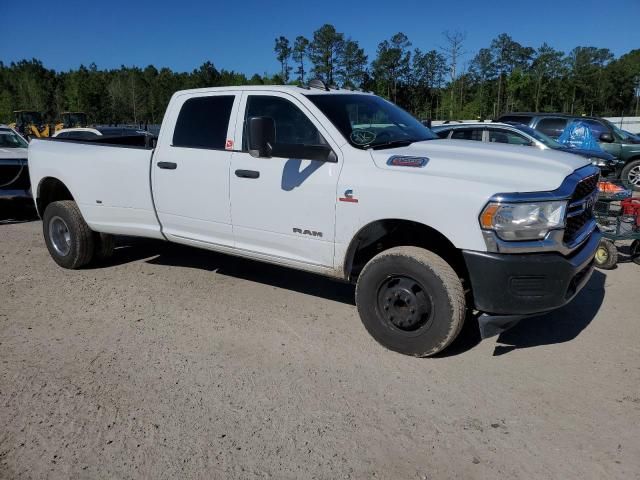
(51, 189)
(382, 234)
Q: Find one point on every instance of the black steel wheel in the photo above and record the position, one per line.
(411, 301)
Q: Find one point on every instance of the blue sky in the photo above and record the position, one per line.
(239, 35)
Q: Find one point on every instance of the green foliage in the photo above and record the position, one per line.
(504, 76)
(123, 95)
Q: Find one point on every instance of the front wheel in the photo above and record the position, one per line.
(411, 301)
(69, 239)
(630, 175)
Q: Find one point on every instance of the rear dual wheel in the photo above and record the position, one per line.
(411, 301)
(70, 241)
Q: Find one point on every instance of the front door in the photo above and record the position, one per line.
(284, 207)
(191, 171)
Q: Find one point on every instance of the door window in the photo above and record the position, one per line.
(552, 127)
(292, 126)
(203, 122)
(467, 134)
(503, 136)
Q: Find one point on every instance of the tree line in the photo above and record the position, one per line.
(445, 82)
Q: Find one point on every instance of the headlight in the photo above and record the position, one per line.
(523, 221)
(598, 162)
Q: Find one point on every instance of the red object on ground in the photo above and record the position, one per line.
(631, 206)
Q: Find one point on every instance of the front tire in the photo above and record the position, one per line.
(630, 175)
(69, 239)
(411, 301)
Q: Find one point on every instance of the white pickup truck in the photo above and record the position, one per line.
(343, 184)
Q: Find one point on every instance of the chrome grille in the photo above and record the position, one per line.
(580, 209)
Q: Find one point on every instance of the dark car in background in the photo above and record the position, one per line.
(516, 134)
(612, 139)
(15, 186)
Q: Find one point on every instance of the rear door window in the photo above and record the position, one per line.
(467, 134)
(443, 133)
(203, 122)
(596, 127)
(552, 127)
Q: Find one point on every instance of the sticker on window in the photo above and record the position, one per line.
(228, 145)
(362, 137)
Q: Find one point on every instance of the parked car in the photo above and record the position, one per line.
(14, 170)
(343, 184)
(516, 134)
(612, 139)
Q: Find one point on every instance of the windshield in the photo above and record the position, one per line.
(541, 137)
(10, 139)
(368, 121)
(621, 133)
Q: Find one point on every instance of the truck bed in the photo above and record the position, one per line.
(110, 182)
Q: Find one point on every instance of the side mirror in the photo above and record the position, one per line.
(321, 153)
(606, 137)
(261, 136)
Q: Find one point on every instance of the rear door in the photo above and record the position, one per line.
(191, 169)
(284, 207)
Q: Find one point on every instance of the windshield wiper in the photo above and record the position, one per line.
(391, 144)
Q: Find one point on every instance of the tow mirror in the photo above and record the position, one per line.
(262, 135)
(606, 137)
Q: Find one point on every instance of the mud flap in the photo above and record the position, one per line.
(492, 325)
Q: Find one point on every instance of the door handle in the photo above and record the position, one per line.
(168, 165)
(247, 174)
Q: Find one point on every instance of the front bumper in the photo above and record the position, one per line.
(528, 283)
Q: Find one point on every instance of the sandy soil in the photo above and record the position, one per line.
(172, 363)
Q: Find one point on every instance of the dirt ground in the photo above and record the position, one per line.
(171, 362)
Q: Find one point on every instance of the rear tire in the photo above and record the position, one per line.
(411, 301)
(630, 175)
(606, 255)
(69, 239)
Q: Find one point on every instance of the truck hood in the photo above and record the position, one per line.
(510, 168)
(13, 153)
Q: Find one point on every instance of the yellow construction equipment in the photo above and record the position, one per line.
(72, 120)
(30, 124)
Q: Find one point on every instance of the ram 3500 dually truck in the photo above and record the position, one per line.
(340, 183)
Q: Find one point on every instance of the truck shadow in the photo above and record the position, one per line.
(558, 326)
(169, 254)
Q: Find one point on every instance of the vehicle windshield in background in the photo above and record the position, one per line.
(548, 141)
(10, 139)
(623, 134)
(368, 121)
